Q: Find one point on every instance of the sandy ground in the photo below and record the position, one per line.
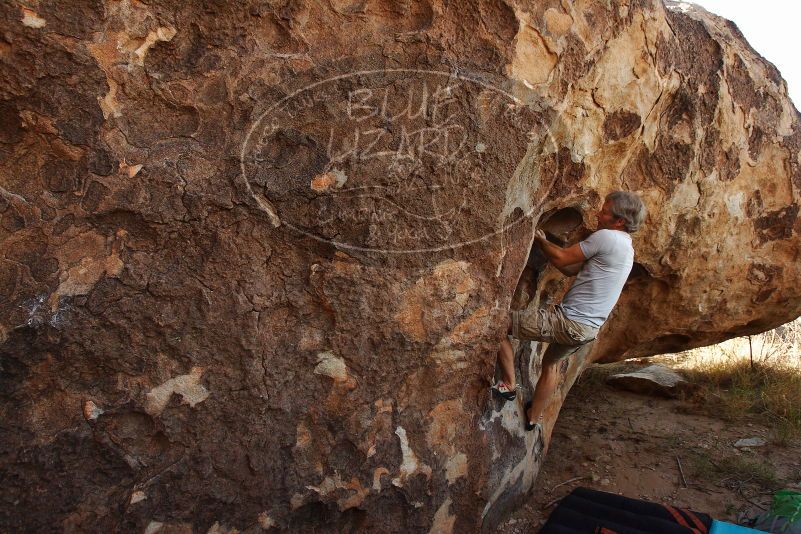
(627, 443)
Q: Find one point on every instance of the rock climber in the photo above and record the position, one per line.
(603, 262)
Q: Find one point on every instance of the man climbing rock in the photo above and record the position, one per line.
(603, 262)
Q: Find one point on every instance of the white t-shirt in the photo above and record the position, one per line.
(598, 285)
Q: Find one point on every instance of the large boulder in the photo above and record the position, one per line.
(256, 257)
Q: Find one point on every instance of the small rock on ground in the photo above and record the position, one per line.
(652, 380)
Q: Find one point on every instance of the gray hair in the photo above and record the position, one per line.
(629, 207)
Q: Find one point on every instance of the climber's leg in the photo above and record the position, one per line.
(543, 392)
(506, 361)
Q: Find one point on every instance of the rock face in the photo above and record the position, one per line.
(256, 256)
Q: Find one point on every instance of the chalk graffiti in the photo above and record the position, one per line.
(387, 161)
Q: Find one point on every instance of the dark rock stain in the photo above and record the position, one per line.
(714, 157)
(620, 124)
(776, 224)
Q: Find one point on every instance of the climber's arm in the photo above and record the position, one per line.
(559, 257)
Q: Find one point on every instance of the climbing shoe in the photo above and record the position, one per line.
(529, 424)
(533, 426)
(503, 389)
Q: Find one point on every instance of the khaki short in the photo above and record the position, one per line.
(549, 324)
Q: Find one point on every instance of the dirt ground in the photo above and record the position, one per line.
(632, 444)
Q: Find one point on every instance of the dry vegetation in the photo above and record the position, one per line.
(755, 378)
(743, 377)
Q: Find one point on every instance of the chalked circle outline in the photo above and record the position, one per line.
(278, 221)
